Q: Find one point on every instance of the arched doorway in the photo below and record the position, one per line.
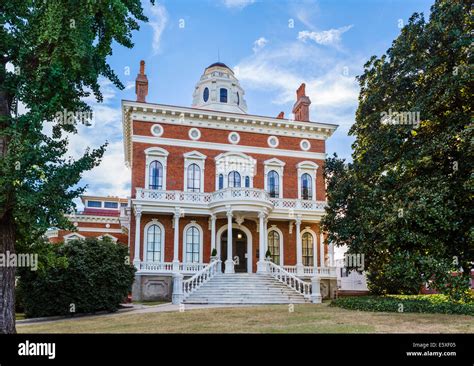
(239, 249)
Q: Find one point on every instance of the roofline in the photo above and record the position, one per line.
(234, 115)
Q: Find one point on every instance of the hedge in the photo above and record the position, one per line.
(80, 276)
(411, 304)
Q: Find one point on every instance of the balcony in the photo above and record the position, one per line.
(229, 196)
(308, 271)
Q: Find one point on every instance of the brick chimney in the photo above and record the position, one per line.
(141, 84)
(281, 115)
(301, 107)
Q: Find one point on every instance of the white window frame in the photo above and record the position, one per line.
(201, 236)
(113, 238)
(242, 163)
(280, 233)
(279, 167)
(145, 240)
(315, 244)
(194, 157)
(310, 168)
(73, 236)
(158, 154)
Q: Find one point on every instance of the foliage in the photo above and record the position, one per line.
(405, 201)
(53, 55)
(214, 252)
(406, 304)
(80, 276)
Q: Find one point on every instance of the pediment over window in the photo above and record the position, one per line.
(156, 151)
(244, 164)
(310, 165)
(194, 155)
(274, 162)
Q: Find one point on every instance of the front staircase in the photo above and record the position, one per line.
(244, 288)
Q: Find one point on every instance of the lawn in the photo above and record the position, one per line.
(305, 318)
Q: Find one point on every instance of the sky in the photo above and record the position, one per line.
(272, 46)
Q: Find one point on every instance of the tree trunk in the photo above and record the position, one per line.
(7, 275)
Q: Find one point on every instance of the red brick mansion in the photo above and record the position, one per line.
(224, 206)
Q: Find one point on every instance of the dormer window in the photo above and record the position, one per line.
(205, 94)
(223, 95)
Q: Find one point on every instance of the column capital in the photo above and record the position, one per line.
(229, 213)
(178, 212)
(213, 217)
(137, 210)
(262, 215)
(298, 220)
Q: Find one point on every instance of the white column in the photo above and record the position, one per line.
(213, 232)
(321, 250)
(261, 266)
(331, 254)
(229, 263)
(176, 217)
(299, 247)
(136, 256)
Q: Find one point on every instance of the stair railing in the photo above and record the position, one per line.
(289, 279)
(200, 278)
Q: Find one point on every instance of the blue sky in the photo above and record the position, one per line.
(272, 46)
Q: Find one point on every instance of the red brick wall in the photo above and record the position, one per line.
(121, 238)
(289, 240)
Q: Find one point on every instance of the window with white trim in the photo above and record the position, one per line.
(274, 177)
(274, 246)
(307, 171)
(193, 244)
(194, 164)
(154, 239)
(234, 179)
(307, 246)
(155, 173)
(273, 184)
(306, 187)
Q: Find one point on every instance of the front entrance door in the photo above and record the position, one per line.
(239, 249)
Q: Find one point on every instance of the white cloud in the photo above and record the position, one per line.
(279, 70)
(239, 4)
(326, 38)
(259, 44)
(158, 21)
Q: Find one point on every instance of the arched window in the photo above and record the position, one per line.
(194, 178)
(221, 181)
(193, 245)
(306, 187)
(223, 95)
(307, 246)
(247, 182)
(205, 95)
(274, 246)
(273, 184)
(153, 243)
(234, 179)
(156, 175)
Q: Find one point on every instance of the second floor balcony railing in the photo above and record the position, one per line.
(228, 195)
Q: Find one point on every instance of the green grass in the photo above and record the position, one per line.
(306, 318)
(406, 304)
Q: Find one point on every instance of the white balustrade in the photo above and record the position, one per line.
(192, 284)
(311, 271)
(289, 279)
(228, 194)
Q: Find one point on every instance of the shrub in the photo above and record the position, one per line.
(81, 276)
(411, 304)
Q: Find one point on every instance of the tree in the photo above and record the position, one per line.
(92, 275)
(52, 54)
(406, 200)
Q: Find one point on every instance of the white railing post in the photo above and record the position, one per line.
(316, 297)
(178, 296)
(299, 248)
(176, 216)
(229, 263)
(261, 265)
(136, 256)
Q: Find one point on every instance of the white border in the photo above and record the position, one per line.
(230, 137)
(154, 133)
(270, 144)
(145, 240)
(280, 233)
(305, 141)
(191, 136)
(315, 243)
(197, 226)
